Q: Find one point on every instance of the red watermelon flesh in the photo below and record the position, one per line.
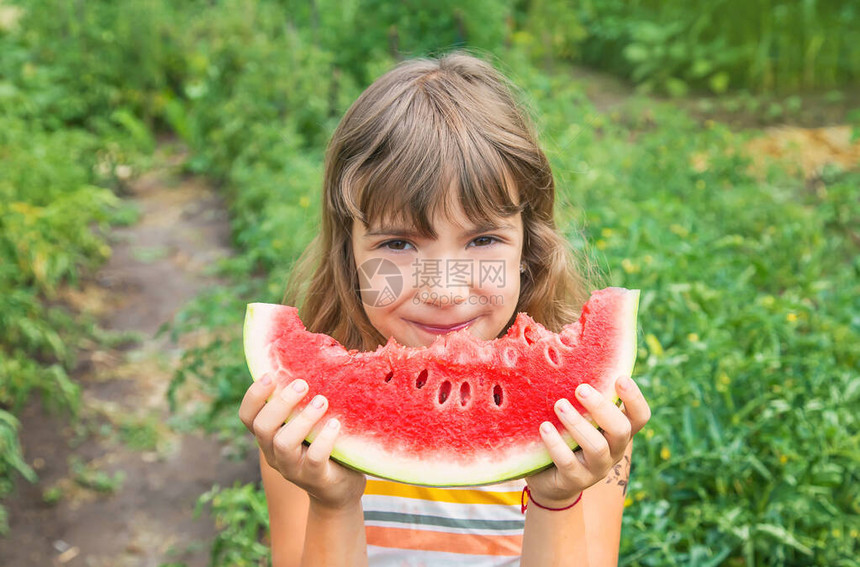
(461, 411)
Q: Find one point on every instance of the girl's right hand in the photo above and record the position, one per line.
(308, 467)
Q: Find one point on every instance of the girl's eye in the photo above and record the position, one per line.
(395, 245)
(485, 240)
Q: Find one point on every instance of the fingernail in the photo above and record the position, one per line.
(564, 406)
(318, 402)
(624, 383)
(333, 423)
(300, 385)
(266, 380)
(546, 427)
(584, 391)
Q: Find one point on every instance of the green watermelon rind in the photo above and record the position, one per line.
(350, 453)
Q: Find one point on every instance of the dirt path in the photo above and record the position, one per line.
(118, 487)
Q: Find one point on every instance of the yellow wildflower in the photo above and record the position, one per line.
(629, 267)
(653, 344)
(679, 230)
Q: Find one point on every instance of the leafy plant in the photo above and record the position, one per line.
(762, 45)
(242, 518)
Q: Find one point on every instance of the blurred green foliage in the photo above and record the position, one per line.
(242, 514)
(760, 45)
(750, 309)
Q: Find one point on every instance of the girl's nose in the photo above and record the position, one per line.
(444, 281)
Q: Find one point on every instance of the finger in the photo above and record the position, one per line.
(595, 447)
(615, 425)
(565, 460)
(271, 418)
(291, 436)
(320, 449)
(254, 400)
(635, 406)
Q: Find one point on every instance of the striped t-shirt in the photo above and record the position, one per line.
(412, 526)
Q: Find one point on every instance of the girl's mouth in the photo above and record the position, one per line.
(442, 329)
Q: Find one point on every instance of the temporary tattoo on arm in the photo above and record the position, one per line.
(620, 474)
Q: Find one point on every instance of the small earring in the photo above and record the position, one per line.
(522, 267)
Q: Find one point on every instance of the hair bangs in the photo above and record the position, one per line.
(429, 156)
(485, 183)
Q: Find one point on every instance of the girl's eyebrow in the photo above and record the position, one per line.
(390, 231)
(405, 232)
(489, 227)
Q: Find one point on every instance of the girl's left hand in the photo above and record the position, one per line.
(599, 451)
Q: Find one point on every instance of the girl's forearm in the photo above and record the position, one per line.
(554, 538)
(335, 538)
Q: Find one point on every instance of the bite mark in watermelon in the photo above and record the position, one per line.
(461, 411)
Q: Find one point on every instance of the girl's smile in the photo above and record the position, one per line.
(467, 276)
(442, 329)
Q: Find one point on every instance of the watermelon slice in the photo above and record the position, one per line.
(461, 411)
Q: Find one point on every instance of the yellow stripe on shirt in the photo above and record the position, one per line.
(460, 496)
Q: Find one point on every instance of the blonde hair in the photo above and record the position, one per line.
(422, 130)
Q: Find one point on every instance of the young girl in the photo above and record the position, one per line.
(435, 167)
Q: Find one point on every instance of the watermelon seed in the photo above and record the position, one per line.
(552, 356)
(444, 391)
(465, 393)
(529, 334)
(422, 379)
(389, 376)
(497, 395)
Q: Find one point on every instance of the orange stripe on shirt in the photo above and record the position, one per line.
(470, 544)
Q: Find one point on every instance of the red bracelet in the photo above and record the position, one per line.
(528, 492)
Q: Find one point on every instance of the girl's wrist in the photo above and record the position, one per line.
(332, 510)
(529, 500)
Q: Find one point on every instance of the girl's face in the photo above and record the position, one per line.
(415, 288)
